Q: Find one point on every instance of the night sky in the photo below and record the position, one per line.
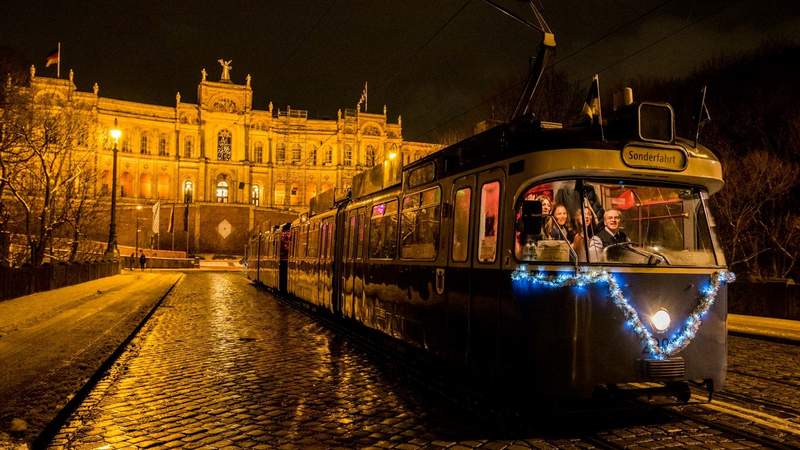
(434, 62)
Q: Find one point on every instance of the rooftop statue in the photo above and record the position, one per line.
(226, 69)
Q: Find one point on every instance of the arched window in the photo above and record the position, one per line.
(187, 147)
(126, 143)
(294, 196)
(328, 155)
(105, 188)
(126, 185)
(163, 186)
(297, 154)
(222, 191)
(370, 157)
(280, 194)
(281, 153)
(312, 158)
(188, 191)
(145, 186)
(348, 155)
(255, 194)
(143, 145)
(259, 152)
(162, 146)
(224, 146)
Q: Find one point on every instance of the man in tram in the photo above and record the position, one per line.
(609, 236)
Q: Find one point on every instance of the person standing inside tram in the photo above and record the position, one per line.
(561, 225)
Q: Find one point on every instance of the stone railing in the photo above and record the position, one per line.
(19, 281)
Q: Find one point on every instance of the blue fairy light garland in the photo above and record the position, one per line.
(677, 342)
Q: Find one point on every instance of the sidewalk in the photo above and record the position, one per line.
(52, 342)
(765, 326)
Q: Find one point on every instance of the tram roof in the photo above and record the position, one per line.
(525, 136)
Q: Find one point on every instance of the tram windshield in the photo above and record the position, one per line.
(616, 223)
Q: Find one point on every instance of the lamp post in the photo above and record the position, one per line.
(111, 249)
(138, 227)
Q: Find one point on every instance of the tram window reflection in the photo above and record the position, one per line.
(487, 235)
(419, 230)
(462, 203)
(383, 231)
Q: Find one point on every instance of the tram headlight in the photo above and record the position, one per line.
(660, 320)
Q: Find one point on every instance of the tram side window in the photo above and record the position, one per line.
(487, 235)
(351, 232)
(383, 231)
(420, 226)
(331, 229)
(303, 243)
(462, 203)
(313, 240)
(360, 241)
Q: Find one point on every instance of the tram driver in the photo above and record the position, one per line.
(608, 238)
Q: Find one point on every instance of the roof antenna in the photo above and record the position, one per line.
(546, 48)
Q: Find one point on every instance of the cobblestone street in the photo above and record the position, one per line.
(222, 364)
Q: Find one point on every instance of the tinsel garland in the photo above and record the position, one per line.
(679, 339)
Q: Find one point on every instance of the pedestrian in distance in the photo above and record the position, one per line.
(132, 261)
(142, 261)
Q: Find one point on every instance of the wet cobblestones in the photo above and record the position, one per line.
(223, 365)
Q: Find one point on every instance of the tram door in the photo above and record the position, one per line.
(484, 306)
(458, 282)
(352, 277)
(339, 243)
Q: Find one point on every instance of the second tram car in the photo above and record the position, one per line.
(542, 257)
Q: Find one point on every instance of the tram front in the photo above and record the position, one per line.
(615, 272)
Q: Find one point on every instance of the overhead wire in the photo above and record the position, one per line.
(605, 36)
(424, 45)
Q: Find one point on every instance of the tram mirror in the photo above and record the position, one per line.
(531, 217)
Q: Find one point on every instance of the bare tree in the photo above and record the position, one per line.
(45, 164)
(755, 221)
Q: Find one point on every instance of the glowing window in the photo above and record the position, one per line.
(222, 192)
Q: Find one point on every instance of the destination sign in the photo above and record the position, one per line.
(654, 158)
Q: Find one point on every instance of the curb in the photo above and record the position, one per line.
(51, 429)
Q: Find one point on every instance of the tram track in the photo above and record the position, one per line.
(733, 429)
(761, 377)
(766, 404)
(462, 397)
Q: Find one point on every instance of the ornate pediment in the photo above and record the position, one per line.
(224, 104)
(371, 130)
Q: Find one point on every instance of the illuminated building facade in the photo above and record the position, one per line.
(222, 151)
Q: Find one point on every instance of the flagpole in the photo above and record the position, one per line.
(172, 225)
(600, 108)
(58, 63)
(700, 117)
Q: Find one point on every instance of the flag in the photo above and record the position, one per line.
(156, 216)
(363, 98)
(591, 107)
(171, 228)
(53, 57)
(186, 217)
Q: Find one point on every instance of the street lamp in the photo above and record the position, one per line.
(111, 249)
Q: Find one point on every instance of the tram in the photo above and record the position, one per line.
(548, 260)
(464, 254)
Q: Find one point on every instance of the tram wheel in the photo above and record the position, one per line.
(681, 391)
